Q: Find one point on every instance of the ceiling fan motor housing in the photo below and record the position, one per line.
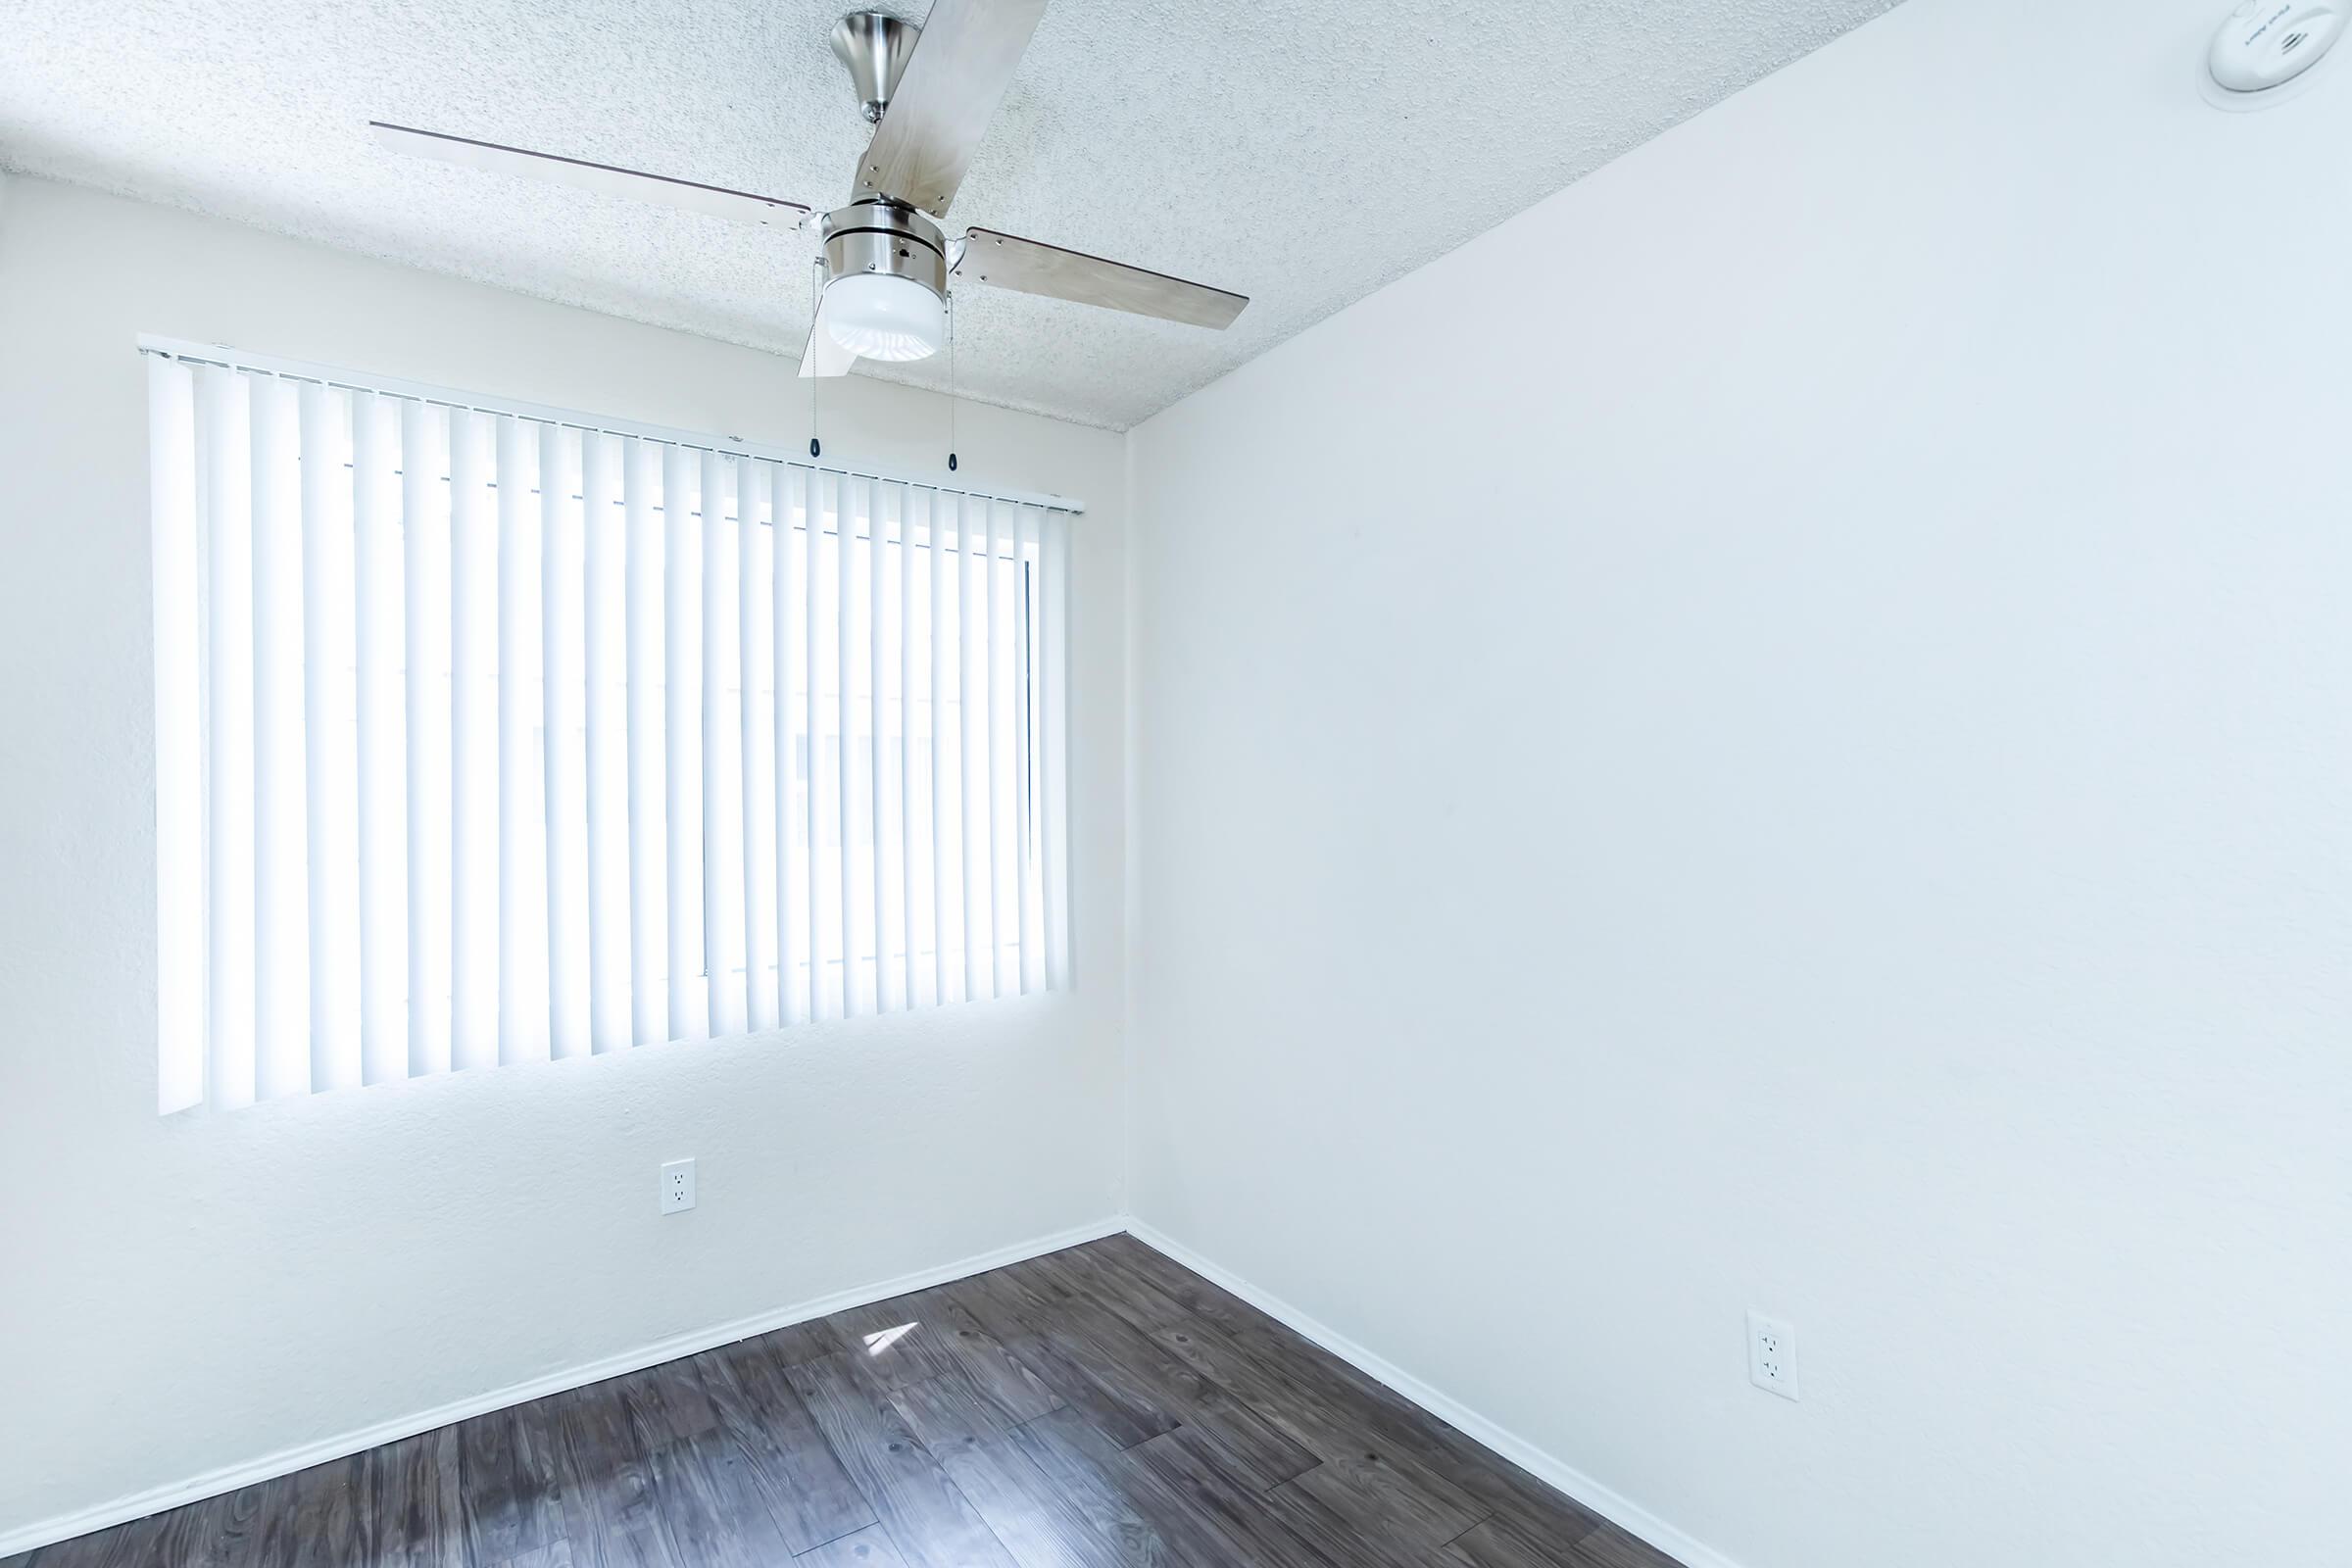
(881, 236)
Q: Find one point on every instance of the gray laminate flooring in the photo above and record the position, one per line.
(1101, 1408)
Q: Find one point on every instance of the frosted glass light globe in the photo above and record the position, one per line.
(878, 316)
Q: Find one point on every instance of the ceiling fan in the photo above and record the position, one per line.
(887, 263)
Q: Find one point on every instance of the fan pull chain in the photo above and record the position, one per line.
(817, 295)
(950, 384)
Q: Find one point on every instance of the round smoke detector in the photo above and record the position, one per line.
(2263, 53)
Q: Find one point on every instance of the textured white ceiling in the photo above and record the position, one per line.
(1303, 152)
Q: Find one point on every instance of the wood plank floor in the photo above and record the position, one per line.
(1101, 1408)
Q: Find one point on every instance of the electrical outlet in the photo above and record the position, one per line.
(677, 1187)
(1771, 1354)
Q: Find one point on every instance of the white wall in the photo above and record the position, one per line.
(184, 1294)
(1778, 731)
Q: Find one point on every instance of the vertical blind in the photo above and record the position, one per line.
(485, 737)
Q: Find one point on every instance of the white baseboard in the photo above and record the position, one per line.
(1619, 1510)
(286, 1461)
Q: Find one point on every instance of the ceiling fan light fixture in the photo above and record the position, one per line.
(882, 316)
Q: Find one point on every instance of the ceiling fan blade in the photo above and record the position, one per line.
(961, 65)
(1007, 261)
(824, 355)
(716, 200)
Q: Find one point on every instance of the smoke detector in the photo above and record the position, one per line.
(2263, 53)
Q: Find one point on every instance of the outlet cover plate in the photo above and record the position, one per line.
(677, 1187)
(1771, 1354)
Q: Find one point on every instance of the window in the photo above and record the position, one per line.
(492, 735)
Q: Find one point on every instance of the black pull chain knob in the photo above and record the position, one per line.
(814, 450)
(950, 463)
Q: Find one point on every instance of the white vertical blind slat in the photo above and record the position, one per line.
(689, 990)
(878, 631)
(683, 655)
(906, 562)
(564, 746)
(994, 683)
(426, 732)
(331, 738)
(645, 592)
(1024, 549)
(1052, 637)
(475, 836)
(971, 585)
(483, 738)
(604, 614)
(522, 996)
(227, 489)
(722, 766)
(792, 655)
(824, 497)
(379, 618)
(942, 593)
(848, 524)
(426, 660)
(280, 798)
(179, 781)
(755, 667)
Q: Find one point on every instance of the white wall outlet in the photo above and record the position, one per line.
(677, 1187)
(1771, 1354)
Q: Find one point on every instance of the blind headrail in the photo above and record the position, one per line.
(223, 355)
